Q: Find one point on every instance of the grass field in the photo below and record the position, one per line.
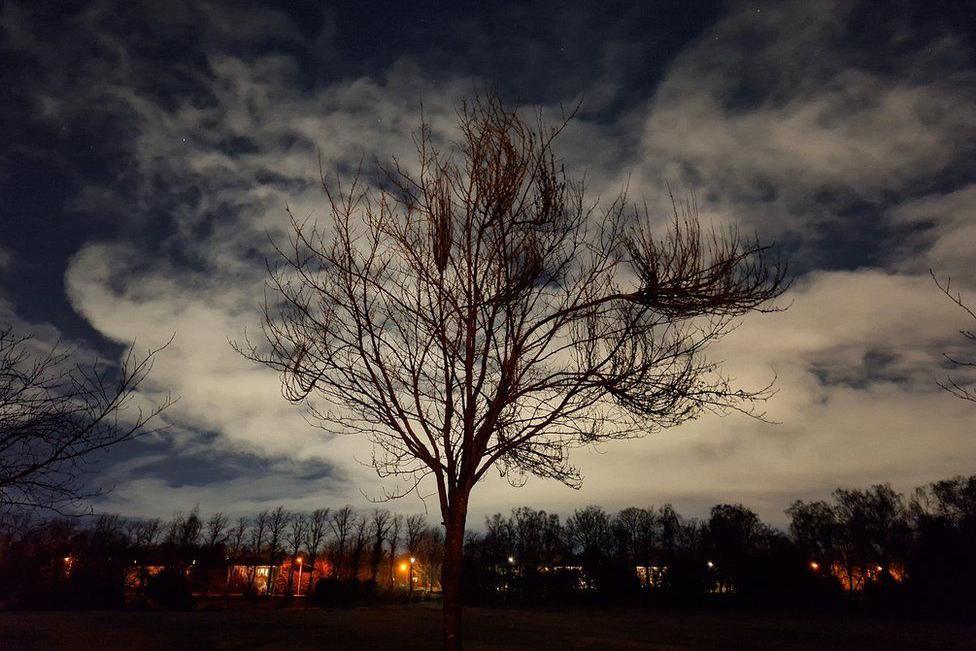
(408, 628)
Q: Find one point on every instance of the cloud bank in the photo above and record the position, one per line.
(853, 154)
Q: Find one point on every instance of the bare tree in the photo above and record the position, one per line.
(235, 546)
(341, 524)
(277, 522)
(416, 526)
(56, 415)
(259, 532)
(236, 537)
(379, 527)
(360, 537)
(315, 539)
(295, 540)
(145, 533)
(960, 388)
(216, 534)
(393, 541)
(480, 313)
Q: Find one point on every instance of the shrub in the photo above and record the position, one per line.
(169, 590)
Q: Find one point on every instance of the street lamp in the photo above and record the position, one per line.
(410, 578)
(299, 560)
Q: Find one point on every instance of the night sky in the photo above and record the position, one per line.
(150, 149)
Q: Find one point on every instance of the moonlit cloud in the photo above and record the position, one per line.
(857, 162)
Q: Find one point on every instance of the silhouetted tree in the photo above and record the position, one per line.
(315, 539)
(341, 523)
(416, 525)
(734, 537)
(259, 532)
(278, 521)
(590, 532)
(874, 523)
(360, 536)
(237, 535)
(379, 528)
(236, 541)
(56, 415)
(815, 528)
(216, 530)
(941, 571)
(480, 313)
(297, 534)
(145, 533)
(393, 541)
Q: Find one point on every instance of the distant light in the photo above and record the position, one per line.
(67, 559)
(299, 560)
(879, 568)
(403, 567)
(511, 560)
(814, 565)
(412, 560)
(711, 564)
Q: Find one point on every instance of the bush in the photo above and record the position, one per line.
(332, 592)
(169, 590)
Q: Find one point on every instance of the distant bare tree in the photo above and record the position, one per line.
(259, 532)
(360, 538)
(56, 415)
(235, 547)
(216, 533)
(379, 528)
(315, 539)
(145, 533)
(296, 538)
(341, 524)
(236, 537)
(189, 529)
(590, 531)
(416, 526)
(393, 540)
(481, 313)
(277, 523)
(960, 388)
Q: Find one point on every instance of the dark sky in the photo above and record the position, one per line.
(151, 147)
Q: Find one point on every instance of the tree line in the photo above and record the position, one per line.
(108, 560)
(870, 545)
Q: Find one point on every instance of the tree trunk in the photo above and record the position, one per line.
(451, 574)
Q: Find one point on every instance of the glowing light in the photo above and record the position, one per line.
(412, 560)
(403, 567)
(299, 560)
(710, 564)
(814, 565)
(511, 560)
(879, 568)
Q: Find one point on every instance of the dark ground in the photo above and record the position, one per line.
(409, 628)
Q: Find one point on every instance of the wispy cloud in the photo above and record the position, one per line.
(857, 161)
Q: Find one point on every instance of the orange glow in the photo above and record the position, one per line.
(299, 560)
(403, 567)
(814, 565)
